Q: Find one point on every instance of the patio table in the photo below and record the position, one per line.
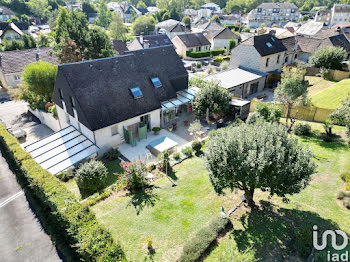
(161, 144)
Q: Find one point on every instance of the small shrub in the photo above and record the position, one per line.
(345, 176)
(65, 175)
(199, 54)
(149, 242)
(164, 164)
(216, 52)
(199, 65)
(111, 155)
(225, 65)
(347, 186)
(91, 176)
(341, 195)
(187, 151)
(327, 126)
(156, 129)
(134, 175)
(301, 129)
(197, 146)
(327, 138)
(200, 242)
(176, 156)
(52, 110)
(211, 70)
(346, 203)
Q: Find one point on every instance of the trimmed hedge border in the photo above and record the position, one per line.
(195, 248)
(201, 54)
(70, 223)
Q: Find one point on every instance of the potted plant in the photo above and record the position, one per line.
(156, 130)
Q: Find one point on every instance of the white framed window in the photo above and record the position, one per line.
(114, 130)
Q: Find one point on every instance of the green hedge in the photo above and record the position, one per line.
(202, 54)
(218, 52)
(199, 54)
(70, 223)
(200, 242)
(220, 59)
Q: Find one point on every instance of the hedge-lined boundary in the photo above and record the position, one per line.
(201, 54)
(71, 223)
(196, 247)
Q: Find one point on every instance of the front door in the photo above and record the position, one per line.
(146, 120)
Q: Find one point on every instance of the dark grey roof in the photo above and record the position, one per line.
(311, 44)
(266, 44)
(171, 25)
(290, 43)
(101, 88)
(119, 46)
(154, 40)
(277, 5)
(211, 26)
(341, 41)
(15, 61)
(7, 26)
(193, 40)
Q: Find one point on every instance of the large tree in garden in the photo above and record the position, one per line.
(143, 25)
(291, 92)
(257, 156)
(341, 116)
(99, 44)
(210, 96)
(330, 57)
(117, 29)
(104, 15)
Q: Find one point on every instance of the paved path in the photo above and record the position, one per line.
(22, 237)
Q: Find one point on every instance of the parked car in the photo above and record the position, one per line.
(20, 133)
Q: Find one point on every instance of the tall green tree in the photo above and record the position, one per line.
(215, 18)
(39, 8)
(187, 21)
(104, 15)
(330, 57)
(88, 8)
(210, 96)
(141, 4)
(117, 29)
(257, 156)
(99, 44)
(143, 25)
(291, 92)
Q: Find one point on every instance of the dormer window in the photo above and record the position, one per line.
(156, 82)
(259, 10)
(293, 11)
(136, 92)
(269, 44)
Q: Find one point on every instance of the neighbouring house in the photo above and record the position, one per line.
(148, 41)
(209, 26)
(152, 9)
(264, 53)
(339, 28)
(74, 6)
(171, 28)
(194, 42)
(12, 63)
(280, 32)
(293, 51)
(199, 20)
(240, 82)
(310, 28)
(273, 13)
(190, 13)
(125, 10)
(294, 25)
(231, 19)
(12, 31)
(119, 99)
(6, 14)
(340, 13)
(209, 9)
(323, 16)
(119, 46)
(221, 38)
(308, 45)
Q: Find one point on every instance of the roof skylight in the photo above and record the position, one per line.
(156, 82)
(136, 92)
(269, 44)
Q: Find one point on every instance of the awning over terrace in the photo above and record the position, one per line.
(183, 97)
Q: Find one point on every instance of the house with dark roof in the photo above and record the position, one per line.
(119, 46)
(148, 41)
(12, 63)
(12, 31)
(264, 53)
(194, 42)
(171, 28)
(6, 14)
(293, 51)
(221, 38)
(125, 10)
(109, 99)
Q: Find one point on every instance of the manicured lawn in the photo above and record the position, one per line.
(317, 84)
(113, 168)
(333, 96)
(169, 215)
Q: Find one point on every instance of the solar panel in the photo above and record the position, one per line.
(156, 82)
(136, 92)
